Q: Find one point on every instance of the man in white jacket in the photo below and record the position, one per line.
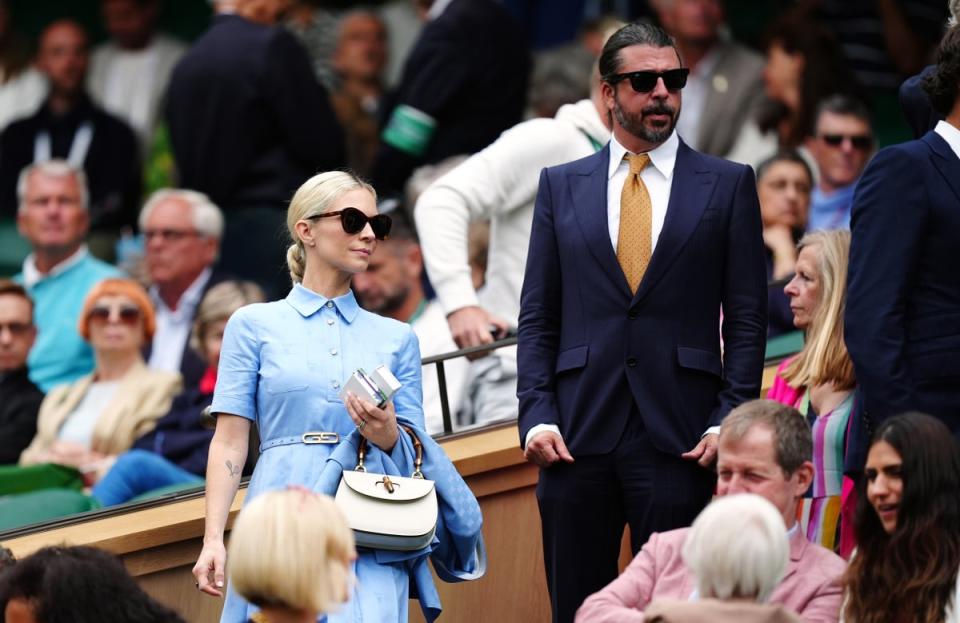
(498, 184)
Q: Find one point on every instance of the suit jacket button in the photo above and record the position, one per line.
(632, 362)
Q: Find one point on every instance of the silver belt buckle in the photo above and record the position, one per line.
(320, 437)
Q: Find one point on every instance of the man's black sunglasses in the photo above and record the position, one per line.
(353, 221)
(863, 142)
(646, 81)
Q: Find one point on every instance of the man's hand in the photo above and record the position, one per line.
(470, 326)
(705, 452)
(546, 448)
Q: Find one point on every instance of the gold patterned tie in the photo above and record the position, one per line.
(634, 241)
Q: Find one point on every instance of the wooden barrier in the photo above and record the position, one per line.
(160, 545)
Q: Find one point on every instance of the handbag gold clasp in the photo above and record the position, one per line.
(388, 484)
(320, 437)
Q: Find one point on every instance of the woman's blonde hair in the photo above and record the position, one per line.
(737, 548)
(824, 358)
(314, 197)
(219, 303)
(291, 549)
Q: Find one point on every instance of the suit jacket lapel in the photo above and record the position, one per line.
(690, 192)
(945, 160)
(588, 189)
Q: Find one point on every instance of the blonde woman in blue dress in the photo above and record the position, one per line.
(282, 365)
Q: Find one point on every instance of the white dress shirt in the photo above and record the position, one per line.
(950, 134)
(658, 178)
(174, 326)
(32, 274)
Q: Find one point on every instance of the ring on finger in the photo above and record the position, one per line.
(361, 424)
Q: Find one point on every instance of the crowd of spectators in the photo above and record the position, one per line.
(150, 180)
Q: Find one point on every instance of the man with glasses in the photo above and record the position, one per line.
(841, 146)
(182, 231)
(633, 251)
(19, 398)
(53, 217)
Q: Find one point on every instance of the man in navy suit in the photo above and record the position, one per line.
(621, 382)
(902, 322)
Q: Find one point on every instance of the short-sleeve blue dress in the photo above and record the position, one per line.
(282, 365)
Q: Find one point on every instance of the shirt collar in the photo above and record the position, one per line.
(663, 157)
(437, 9)
(32, 274)
(950, 134)
(191, 296)
(307, 302)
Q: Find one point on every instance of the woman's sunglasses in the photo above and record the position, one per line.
(126, 314)
(353, 221)
(646, 81)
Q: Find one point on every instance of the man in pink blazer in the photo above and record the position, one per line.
(764, 448)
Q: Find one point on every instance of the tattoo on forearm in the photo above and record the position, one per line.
(233, 470)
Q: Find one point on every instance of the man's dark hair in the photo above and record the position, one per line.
(636, 33)
(80, 585)
(402, 229)
(943, 85)
(842, 104)
(12, 288)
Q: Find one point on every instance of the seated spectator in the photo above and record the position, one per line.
(71, 127)
(86, 424)
(725, 88)
(22, 87)
(841, 146)
(78, 584)
(360, 60)
(182, 230)
(764, 448)
(908, 526)
(19, 398)
(819, 380)
(175, 452)
(53, 216)
(291, 554)
(129, 72)
(804, 66)
(783, 184)
(738, 552)
(392, 286)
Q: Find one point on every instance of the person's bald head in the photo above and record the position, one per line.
(63, 55)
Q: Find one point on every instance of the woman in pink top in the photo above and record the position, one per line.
(819, 381)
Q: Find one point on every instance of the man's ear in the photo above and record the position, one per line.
(804, 477)
(414, 259)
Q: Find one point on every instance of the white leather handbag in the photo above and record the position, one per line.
(389, 512)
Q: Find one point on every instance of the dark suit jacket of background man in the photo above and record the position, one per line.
(248, 120)
(902, 324)
(468, 70)
(588, 348)
(112, 163)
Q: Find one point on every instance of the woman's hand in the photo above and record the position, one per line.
(72, 454)
(378, 425)
(209, 568)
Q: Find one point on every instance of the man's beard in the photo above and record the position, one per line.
(633, 123)
(388, 303)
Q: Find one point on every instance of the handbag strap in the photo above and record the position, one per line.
(417, 448)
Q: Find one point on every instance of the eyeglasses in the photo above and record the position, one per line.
(646, 81)
(863, 142)
(173, 235)
(353, 221)
(16, 329)
(126, 314)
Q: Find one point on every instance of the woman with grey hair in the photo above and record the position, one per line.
(738, 551)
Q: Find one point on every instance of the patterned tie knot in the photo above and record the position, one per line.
(637, 162)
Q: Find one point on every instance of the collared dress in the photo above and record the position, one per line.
(282, 365)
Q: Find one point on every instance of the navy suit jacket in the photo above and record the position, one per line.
(902, 323)
(589, 349)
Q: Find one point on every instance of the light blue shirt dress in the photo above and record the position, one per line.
(282, 365)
